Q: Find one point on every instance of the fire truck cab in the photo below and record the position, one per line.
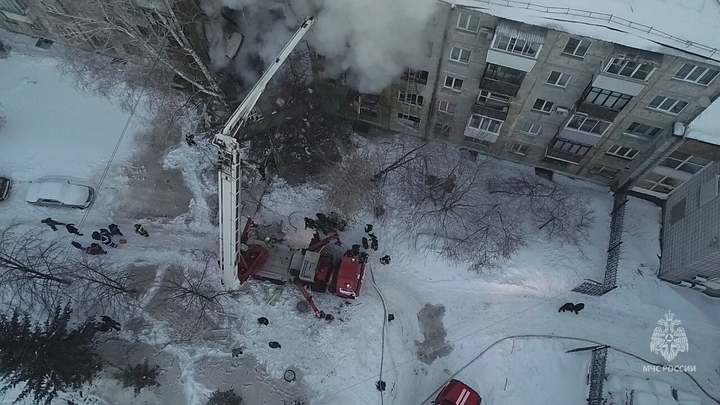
(457, 393)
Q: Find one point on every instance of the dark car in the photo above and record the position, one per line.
(4, 188)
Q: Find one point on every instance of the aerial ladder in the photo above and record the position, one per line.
(229, 171)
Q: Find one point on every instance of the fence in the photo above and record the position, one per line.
(690, 46)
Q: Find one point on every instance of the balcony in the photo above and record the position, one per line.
(481, 135)
(563, 156)
(490, 112)
(497, 86)
(596, 111)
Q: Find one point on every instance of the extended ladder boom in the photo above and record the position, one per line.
(229, 171)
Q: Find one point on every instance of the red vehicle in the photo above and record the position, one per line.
(457, 393)
(348, 281)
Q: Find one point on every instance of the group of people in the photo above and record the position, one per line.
(326, 224)
(104, 236)
(371, 243)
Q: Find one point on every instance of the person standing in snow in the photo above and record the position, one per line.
(190, 139)
(96, 235)
(95, 249)
(365, 243)
(77, 245)
(105, 232)
(114, 230)
(71, 228)
(52, 223)
(140, 230)
(369, 230)
(385, 259)
(374, 243)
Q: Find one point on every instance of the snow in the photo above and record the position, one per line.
(499, 331)
(706, 126)
(666, 26)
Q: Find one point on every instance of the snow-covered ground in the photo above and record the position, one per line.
(492, 330)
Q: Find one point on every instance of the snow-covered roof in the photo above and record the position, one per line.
(706, 127)
(666, 26)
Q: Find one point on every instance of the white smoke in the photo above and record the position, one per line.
(373, 41)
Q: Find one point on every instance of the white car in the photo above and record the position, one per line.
(60, 193)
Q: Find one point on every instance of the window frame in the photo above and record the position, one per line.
(511, 46)
(600, 170)
(454, 82)
(447, 108)
(575, 48)
(544, 104)
(572, 148)
(585, 119)
(684, 162)
(560, 76)
(409, 117)
(466, 27)
(606, 95)
(662, 182)
(519, 149)
(672, 106)
(705, 70)
(459, 55)
(531, 125)
(629, 155)
(403, 98)
(621, 62)
(481, 120)
(643, 136)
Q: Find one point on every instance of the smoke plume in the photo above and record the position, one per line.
(372, 41)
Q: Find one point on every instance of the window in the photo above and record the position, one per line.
(696, 74)
(531, 129)
(419, 76)
(604, 171)
(570, 147)
(494, 100)
(446, 107)
(519, 149)
(622, 152)
(685, 162)
(625, 65)
(409, 120)
(709, 190)
(413, 99)
(504, 74)
(515, 45)
(442, 130)
(543, 105)
(576, 47)
(460, 55)
(468, 22)
(668, 105)
(641, 130)
(453, 83)
(558, 79)
(485, 124)
(606, 98)
(587, 124)
(428, 49)
(659, 183)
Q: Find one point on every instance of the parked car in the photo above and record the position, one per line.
(457, 393)
(4, 187)
(60, 193)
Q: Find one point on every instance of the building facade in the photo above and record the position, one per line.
(577, 105)
(691, 227)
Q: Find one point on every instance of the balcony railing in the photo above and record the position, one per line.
(490, 112)
(493, 85)
(596, 111)
(563, 156)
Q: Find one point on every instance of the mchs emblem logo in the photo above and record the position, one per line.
(669, 339)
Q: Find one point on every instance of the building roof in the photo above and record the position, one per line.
(687, 27)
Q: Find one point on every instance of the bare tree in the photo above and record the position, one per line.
(193, 294)
(32, 271)
(349, 184)
(98, 288)
(443, 196)
(560, 211)
(166, 35)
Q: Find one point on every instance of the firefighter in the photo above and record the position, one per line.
(77, 245)
(95, 249)
(369, 230)
(107, 241)
(114, 230)
(96, 235)
(374, 243)
(105, 232)
(72, 229)
(190, 139)
(365, 243)
(385, 259)
(140, 230)
(52, 223)
(356, 250)
(310, 223)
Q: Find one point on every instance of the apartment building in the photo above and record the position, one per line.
(569, 103)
